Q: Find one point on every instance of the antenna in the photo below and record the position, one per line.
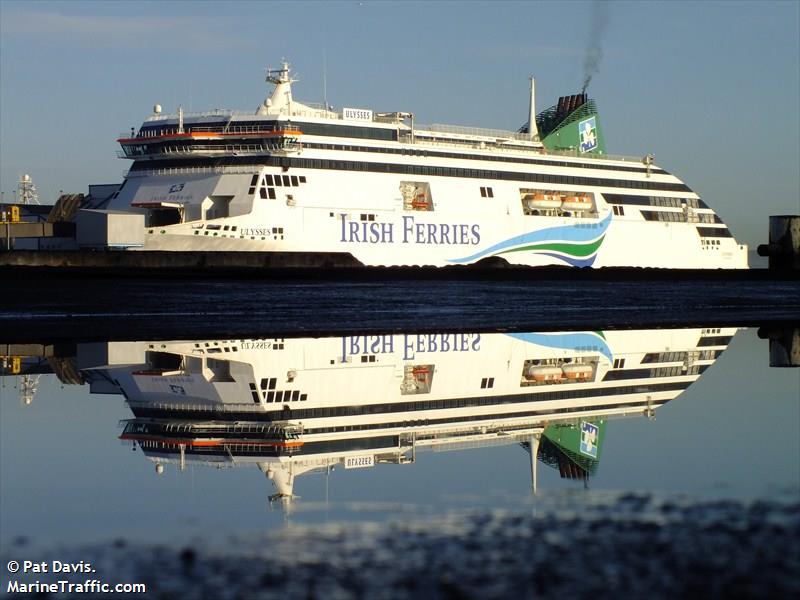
(325, 78)
(26, 191)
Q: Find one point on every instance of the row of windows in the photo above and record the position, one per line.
(679, 370)
(343, 165)
(664, 357)
(647, 373)
(674, 202)
(673, 216)
(277, 181)
(171, 147)
(718, 232)
(490, 157)
(664, 216)
(333, 130)
(373, 409)
(654, 200)
(465, 419)
(720, 340)
(661, 357)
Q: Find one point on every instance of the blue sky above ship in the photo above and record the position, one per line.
(710, 88)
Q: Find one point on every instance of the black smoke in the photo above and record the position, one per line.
(594, 50)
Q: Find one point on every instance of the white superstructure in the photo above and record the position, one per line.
(295, 177)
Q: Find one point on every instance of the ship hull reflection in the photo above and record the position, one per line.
(298, 405)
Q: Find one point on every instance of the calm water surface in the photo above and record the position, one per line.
(66, 476)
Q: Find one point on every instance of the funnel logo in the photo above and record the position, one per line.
(178, 187)
(588, 132)
(589, 434)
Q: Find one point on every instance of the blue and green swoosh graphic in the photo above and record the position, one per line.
(586, 341)
(576, 245)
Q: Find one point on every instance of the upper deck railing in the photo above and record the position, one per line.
(477, 132)
(484, 139)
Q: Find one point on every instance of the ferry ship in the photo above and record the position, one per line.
(294, 177)
(294, 406)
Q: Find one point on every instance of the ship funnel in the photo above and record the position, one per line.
(569, 104)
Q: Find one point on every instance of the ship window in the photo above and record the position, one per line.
(254, 180)
(302, 178)
(295, 395)
(483, 192)
(268, 179)
(271, 193)
(270, 396)
(263, 193)
(294, 180)
(533, 177)
(303, 397)
(278, 181)
(286, 181)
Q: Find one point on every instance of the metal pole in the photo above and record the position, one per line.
(534, 442)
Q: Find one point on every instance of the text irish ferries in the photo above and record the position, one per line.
(298, 178)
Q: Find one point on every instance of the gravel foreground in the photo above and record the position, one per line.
(627, 545)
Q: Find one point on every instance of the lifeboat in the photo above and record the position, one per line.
(577, 371)
(542, 201)
(577, 203)
(544, 374)
(420, 202)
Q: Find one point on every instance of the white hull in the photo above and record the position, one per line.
(324, 215)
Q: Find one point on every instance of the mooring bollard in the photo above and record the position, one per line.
(783, 249)
(784, 344)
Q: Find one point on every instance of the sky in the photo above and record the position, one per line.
(712, 89)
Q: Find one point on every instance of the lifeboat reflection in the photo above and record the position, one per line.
(294, 406)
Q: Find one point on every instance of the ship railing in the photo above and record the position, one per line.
(209, 408)
(232, 129)
(217, 170)
(299, 108)
(476, 145)
(217, 112)
(578, 154)
(476, 132)
(194, 149)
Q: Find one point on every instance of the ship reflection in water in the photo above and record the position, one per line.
(295, 406)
